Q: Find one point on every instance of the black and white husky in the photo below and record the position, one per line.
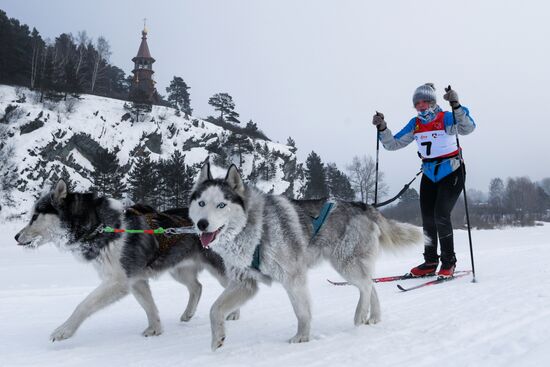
(123, 261)
(264, 237)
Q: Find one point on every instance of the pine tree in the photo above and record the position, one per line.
(108, 177)
(178, 96)
(239, 145)
(292, 144)
(141, 179)
(315, 186)
(16, 54)
(179, 180)
(409, 196)
(251, 127)
(223, 102)
(159, 194)
(233, 117)
(253, 176)
(338, 183)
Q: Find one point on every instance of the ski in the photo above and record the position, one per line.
(377, 280)
(435, 281)
(394, 278)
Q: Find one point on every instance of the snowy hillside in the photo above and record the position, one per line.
(502, 320)
(51, 136)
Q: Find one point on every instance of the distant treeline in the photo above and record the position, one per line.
(67, 65)
(519, 202)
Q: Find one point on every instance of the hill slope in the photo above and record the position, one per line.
(70, 134)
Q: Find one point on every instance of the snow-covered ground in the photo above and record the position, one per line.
(502, 320)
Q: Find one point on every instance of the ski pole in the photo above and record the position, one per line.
(376, 174)
(464, 192)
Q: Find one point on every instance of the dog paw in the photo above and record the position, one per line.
(217, 343)
(186, 316)
(299, 339)
(61, 333)
(233, 315)
(373, 320)
(367, 320)
(152, 331)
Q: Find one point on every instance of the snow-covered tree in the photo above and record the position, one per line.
(8, 168)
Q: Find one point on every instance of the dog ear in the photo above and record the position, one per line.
(205, 174)
(59, 193)
(233, 178)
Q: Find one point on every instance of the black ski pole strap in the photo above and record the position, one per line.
(405, 188)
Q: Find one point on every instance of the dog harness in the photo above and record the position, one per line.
(317, 225)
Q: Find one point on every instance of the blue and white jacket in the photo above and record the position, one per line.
(435, 170)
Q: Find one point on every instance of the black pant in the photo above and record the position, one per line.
(437, 200)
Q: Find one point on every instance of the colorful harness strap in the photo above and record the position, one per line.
(321, 218)
(317, 225)
(159, 230)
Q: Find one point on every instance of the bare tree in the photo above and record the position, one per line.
(82, 40)
(496, 193)
(103, 51)
(37, 46)
(362, 175)
(521, 194)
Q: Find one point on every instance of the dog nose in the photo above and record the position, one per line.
(17, 237)
(202, 224)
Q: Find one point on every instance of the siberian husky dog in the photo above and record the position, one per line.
(264, 237)
(123, 261)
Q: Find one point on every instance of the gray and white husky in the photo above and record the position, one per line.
(264, 237)
(123, 261)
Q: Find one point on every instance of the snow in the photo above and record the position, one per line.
(80, 159)
(502, 320)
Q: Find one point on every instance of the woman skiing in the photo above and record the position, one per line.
(442, 181)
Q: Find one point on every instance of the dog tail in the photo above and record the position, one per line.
(395, 235)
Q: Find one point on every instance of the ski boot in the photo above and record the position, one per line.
(425, 269)
(447, 269)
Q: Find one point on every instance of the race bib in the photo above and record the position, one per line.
(435, 143)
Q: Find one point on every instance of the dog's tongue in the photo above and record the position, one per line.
(206, 238)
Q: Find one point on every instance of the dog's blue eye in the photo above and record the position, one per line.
(221, 205)
(202, 203)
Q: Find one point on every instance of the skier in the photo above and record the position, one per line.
(442, 181)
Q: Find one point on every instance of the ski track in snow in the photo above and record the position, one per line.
(502, 320)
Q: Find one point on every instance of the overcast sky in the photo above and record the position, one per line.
(317, 70)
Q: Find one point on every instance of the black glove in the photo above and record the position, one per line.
(452, 97)
(378, 121)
